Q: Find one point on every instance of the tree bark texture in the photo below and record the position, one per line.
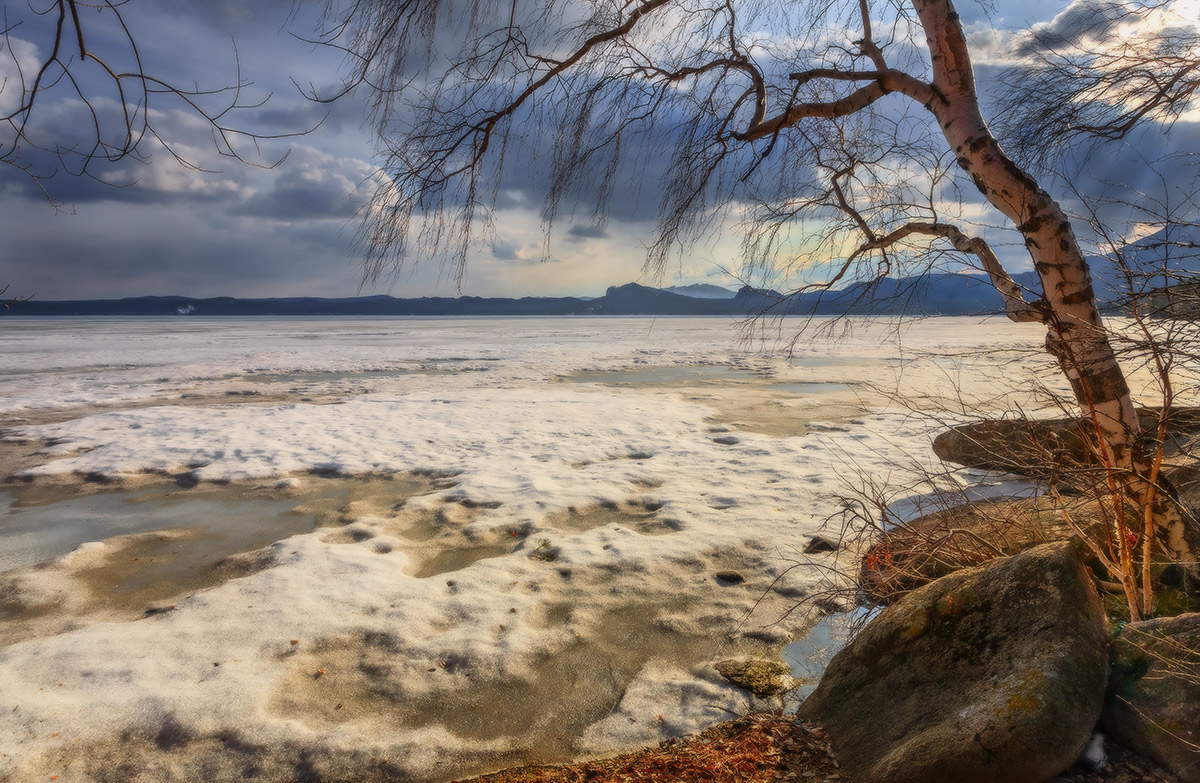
(1076, 335)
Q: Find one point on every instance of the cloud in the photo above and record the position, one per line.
(249, 231)
(506, 251)
(159, 182)
(1082, 20)
(18, 59)
(113, 249)
(233, 16)
(311, 184)
(589, 232)
(512, 199)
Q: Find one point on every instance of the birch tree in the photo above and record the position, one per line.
(847, 119)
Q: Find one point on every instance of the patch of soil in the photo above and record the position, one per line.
(966, 535)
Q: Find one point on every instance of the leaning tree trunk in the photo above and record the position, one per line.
(1076, 336)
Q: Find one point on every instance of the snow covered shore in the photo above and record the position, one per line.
(543, 586)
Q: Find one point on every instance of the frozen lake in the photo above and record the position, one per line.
(438, 546)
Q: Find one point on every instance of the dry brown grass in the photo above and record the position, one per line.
(758, 748)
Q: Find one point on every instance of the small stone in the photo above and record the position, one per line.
(730, 577)
(760, 677)
(819, 544)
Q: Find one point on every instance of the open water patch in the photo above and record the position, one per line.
(688, 375)
(437, 366)
(807, 388)
(329, 376)
(163, 541)
(30, 533)
(802, 360)
(809, 656)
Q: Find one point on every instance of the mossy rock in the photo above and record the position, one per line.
(1154, 704)
(1046, 449)
(761, 677)
(993, 674)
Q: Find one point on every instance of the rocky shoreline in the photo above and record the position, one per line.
(995, 659)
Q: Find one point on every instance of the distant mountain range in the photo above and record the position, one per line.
(935, 294)
(930, 294)
(702, 291)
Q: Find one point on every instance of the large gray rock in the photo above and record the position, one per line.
(988, 675)
(1046, 449)
(1026, 446)
(1154, 707)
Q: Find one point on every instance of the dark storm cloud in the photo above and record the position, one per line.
(232, 16)
(175, 229)
(113, 250)
(121, 187)
(176, 45)
(641, 174)
(295, 117)
(246, 231)
(301, 201)
(1153, 163)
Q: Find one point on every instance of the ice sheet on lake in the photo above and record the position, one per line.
(339, 647)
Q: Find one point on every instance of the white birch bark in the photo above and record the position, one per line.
(1076, 335)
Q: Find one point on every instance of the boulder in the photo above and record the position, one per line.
(1154, 704)
(989, 675)
(970, 534)
(761, 677)
(1024, 446)
(1044, 448)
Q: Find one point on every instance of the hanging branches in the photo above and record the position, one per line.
(49, 63)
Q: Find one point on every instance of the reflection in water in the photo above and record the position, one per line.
(323, 376)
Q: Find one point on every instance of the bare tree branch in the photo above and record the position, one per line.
(1127, 65)
(120, 103)
(856, 182)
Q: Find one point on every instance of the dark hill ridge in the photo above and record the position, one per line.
(300, 306)
(932, 294)
(1168, 256)
(702, 291)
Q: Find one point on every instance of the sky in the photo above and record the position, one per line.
(216, 226)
